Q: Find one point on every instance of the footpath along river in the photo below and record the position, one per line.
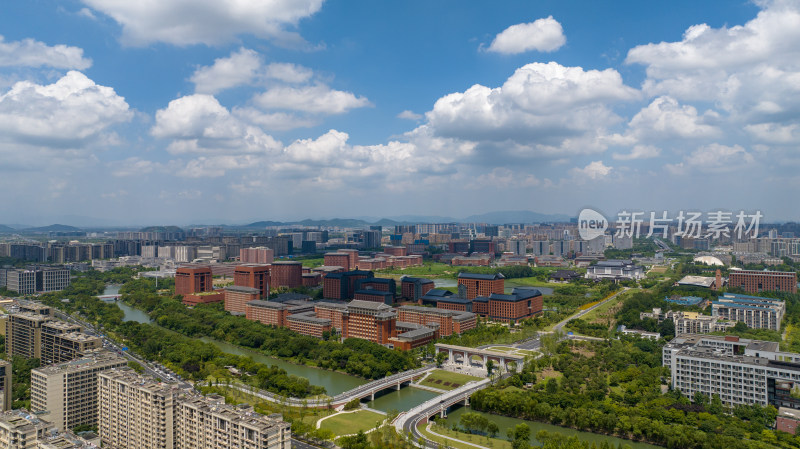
(333, 382)
(404, 399)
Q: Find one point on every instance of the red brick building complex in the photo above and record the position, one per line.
(193, 299)
(481, 284)
(286, 274)
(753, 281)
(337, 260)
(332, 311)
(193, 279)
(260, 255)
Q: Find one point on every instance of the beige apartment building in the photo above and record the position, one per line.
(135, 412)
(38, 335)
(67, 391)
(19, 429)
(5, 385)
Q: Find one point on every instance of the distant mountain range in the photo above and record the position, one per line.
(504, 217)
(521, 216)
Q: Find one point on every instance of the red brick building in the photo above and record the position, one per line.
(412, 289)
(415, 338)
(352, 255)
(787, 420)
(332, 311)
(449, 321)
(236, 298)
(193, 279)
(261, 255)
(312, 279)
(396, 251)
(308, 324)
(481, 284)
(193, 299)
(267, 312)
(337, 259)
(374, 296)
(522, 303)
(342, 286)
(286, 274)
(480, 305)
(754, 281)
(253, 276)
(370, 321)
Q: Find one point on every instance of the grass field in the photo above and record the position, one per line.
(428, 269)
(445, 380)
(350, 423)
(502, 349)
(607, 310)
(474, 439)
(309, 416)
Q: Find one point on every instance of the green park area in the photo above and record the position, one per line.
(352, 422)
(446, 380)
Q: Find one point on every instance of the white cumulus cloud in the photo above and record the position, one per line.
(594, 171)
(212, 22)
(316, 99)
(240, 68)
(545, 35)
(32, 53)
(70, 110)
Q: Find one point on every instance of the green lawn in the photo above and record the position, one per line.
(428, 269)
(350, 423)
(446, 380)
(502, 349)
(603, 309)
(474, 439)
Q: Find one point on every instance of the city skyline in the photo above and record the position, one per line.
(170, 112)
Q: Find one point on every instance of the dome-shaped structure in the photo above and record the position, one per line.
(709, 260)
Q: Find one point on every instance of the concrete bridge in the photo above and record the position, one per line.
(407, 422)
(109, 297)
(461, 356)
(368, 390)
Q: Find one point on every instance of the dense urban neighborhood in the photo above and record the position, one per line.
(284, 331)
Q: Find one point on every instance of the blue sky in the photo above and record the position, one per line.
(177, 111)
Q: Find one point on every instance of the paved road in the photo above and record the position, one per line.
(581, 313)
(152, 369)
(407, 423)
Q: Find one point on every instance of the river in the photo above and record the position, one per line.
(333, 382)
(504, 422)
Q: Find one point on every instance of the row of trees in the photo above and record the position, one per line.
(353, 356)
(189, 357)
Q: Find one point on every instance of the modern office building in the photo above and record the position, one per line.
(481, 284)
(66, 393)
(740, 371)
(753, 281)
(754, 311)
(615, 269)
(193, 279)
(35, 279)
